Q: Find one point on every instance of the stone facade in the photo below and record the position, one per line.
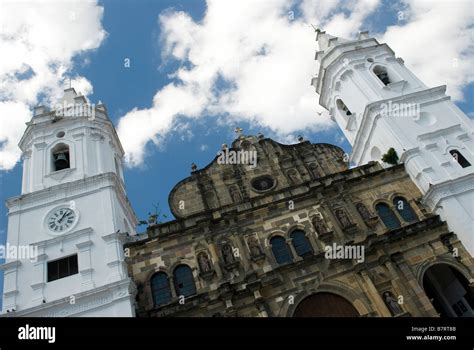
(226, 232)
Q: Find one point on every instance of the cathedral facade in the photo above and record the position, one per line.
(299, 234)
(265, 229)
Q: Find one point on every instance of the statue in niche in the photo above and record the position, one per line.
(314, 170)
(392, 304)
(342, 217)
(363, 211)
(293, 176)
(228, 173)
(204, 263)
(254, 246)
(227, 254)
(235, 194)
(211, 199)
(320, 226)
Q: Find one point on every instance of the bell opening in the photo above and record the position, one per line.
(61, 159)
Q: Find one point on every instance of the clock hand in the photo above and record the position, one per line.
(62, 217)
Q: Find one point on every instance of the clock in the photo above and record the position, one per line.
(61, 219)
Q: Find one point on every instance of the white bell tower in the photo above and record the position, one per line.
(71, 219)
(379, 103)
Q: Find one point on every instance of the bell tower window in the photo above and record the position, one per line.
(60, 157)
(459, 158)
(343, 108)
(382, 74)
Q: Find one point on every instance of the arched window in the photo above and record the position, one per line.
(301, 243)
(60, 157)
(459, 158)
(160, 288)
(381, 73)
(184, 281)
(388, 217)
(280, 250)
(404, 209)
(342, 108)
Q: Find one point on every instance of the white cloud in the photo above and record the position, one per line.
(38, 41)
(13, 116)
(246, 60)
(436, 42)
(253, 61)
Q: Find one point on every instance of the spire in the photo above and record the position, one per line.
(327, 41)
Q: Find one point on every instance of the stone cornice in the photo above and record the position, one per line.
(73, 234)
(70, 190)
(440, 132)
(120, 236)
(45, 129)
(110, 293)
(10, 265)
(193, 224)
(448, 189)
(370, 114)
(409, 154)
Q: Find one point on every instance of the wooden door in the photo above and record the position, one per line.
(325, 305)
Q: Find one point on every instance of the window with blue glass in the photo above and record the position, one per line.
(301, 243)
(404, 209)
(160, 288)
(184, 281)
(280, 250)
(388, 217)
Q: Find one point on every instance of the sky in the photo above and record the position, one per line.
(178, 77)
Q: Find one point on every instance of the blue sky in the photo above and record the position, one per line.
(169, 52)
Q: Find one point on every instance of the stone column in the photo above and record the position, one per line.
(215, 260)
(242, 254)
(372, 293)
(289, 243)
(420, 296)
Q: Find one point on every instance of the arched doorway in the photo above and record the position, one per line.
(325, 305)
(448, 291)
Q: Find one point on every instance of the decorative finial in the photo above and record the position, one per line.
(363, 35)
(260, 136)
(194, 167)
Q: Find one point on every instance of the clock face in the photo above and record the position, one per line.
(61, 219)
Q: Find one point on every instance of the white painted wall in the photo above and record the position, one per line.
(96, 192)
(422, 140)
